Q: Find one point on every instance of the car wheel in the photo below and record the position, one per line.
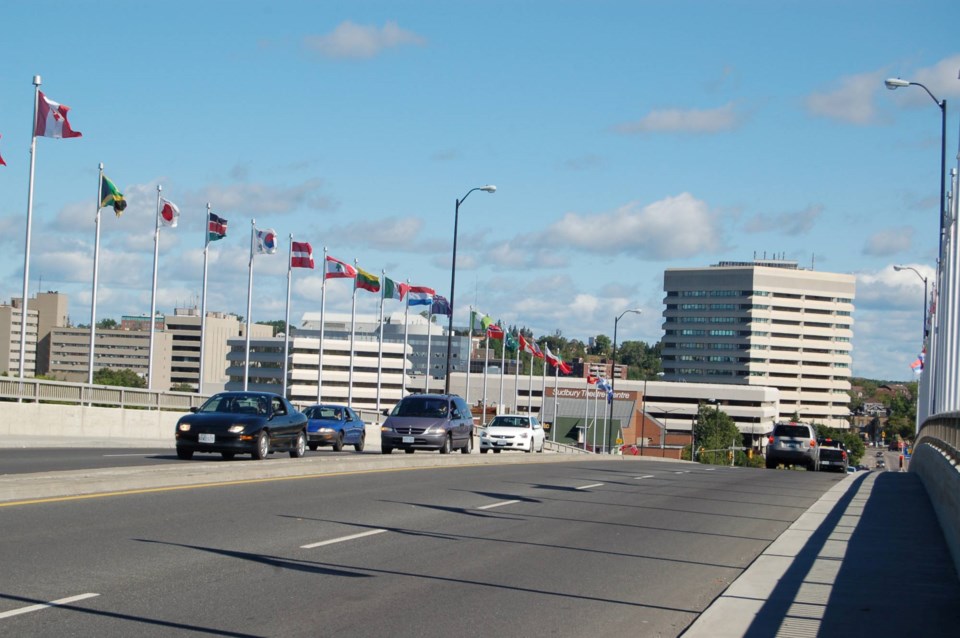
(386, 449)
(227, 456)
(447, 445)
(263, 446)
(529, 450)
(183, 454)
(484, 450)
(409, 450)
(300, 447)
(771, 465)
(312, 446)
(468, 448)
(495, 451)
(363, 442)
(338, 444)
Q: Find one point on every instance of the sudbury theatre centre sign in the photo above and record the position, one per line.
(592, 393)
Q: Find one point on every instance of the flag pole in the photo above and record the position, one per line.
(246, 348)
(556, 388)
(586, 411)
(596, 411)
(516, 382)
(469, 356)
(406, 326)
(503, 367)
(486, 364)
(353, 332)
(153, 293)
(323, 303)
(96, 268)
(543, 392)
(530, 388)
(286, 319)
(426, 378)
(203, 299)
(26, 250)
(383, 291)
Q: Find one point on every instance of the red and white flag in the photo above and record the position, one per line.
(301, 255)
(336, 269)
(52, 119)
(169, 213)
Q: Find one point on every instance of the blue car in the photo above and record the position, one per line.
(334, 425)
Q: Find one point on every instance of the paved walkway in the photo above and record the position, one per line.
(868, 559)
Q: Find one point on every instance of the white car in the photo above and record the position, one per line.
(512, 432)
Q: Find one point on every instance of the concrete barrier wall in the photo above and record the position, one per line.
(941, 478)
(51, 420)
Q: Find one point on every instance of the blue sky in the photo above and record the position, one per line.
(624, 138)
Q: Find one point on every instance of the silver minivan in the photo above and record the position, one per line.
(793, 444)
(428, 422)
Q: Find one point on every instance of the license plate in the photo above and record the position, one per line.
(500, 443)
(408, 439)
(207, 438)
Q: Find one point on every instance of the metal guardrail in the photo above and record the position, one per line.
(44, 391)
(563, 448)
(942, 431)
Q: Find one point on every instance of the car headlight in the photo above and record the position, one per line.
(386, 428)
(435, 429)
(524, 435)
(236, 428)
(326, 430)
(483, 434)
(184, 427)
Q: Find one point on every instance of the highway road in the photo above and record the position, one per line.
(612, 547)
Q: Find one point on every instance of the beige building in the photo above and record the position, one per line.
(764, 323)
(52, 312)
(11, 317)
(115, 349)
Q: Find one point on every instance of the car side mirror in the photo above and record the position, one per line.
(386, 412)
(194, 409)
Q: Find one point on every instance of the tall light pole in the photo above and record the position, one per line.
(923, 314)
(896, 83)
(613, 367)
(489, 188)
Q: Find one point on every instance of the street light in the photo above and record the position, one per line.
(896, 83)
(923, 314)
(489, 188)
(613, 367)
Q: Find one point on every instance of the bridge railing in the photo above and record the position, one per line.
(44, 391)
(942, 431)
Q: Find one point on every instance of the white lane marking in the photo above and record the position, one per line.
(145, 454)
(678, 472)
(52, 603)
(644, 476)
(710, 469)
(492, 505)
(343, 538)
(587, 487)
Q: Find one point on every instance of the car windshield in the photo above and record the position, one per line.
(324, 412)
(431, 407)
(510, 422)
(792, 431)
(236, 404)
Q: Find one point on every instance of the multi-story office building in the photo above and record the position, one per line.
(768, 323)
(11, 318)
(266, 369)
(52, 312)
(114, 349)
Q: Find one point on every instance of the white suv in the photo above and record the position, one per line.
(793, 444)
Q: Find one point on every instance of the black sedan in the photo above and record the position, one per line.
(231, 423)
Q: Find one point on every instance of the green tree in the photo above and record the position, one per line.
(714, 433)
(107, 324)
(601, 345)
(850, 439)
(125, 378)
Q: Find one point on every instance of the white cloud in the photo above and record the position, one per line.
(852, 101)
(356, 41)
(671, 228)
(792, 223)
(889, 241)
(941, 78)
(261, 199)
(389, 233)
(724, 118)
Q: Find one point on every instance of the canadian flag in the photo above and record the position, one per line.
(52, 119)
(169, 213)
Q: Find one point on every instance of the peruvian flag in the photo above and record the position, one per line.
(525, 345)
(169, 213)
(301, 255)
(52, 119)
(336, 269)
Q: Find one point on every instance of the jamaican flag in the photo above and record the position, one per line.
(110, 196)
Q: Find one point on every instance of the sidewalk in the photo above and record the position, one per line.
(868, 559)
